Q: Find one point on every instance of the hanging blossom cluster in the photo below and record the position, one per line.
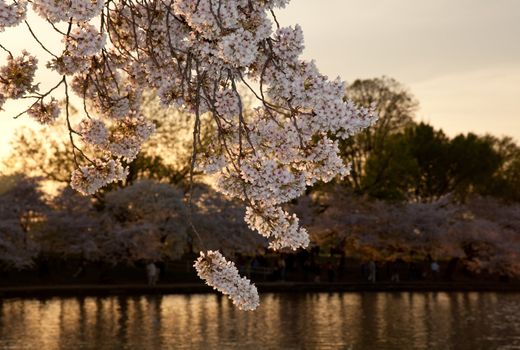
(223, 276)
(16, 77)
(89, 179)
(45, 113)
(84, 40)
(11, 14)
(124, 140)
(57, 11)
(200, 56)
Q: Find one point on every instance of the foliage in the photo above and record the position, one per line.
(422, 164)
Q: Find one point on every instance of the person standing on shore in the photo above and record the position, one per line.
(372, 271)
(435, 269)
(152, 272)
(394, 271)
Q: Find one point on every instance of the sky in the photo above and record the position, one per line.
(460, 58)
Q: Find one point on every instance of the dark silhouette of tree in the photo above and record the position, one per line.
(506, 181)
(473, 164)
(396, 108)
(422, 164)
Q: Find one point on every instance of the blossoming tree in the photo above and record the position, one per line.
(482, 233)
(21, 210)
(196, 55)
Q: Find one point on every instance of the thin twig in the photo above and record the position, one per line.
(38, 40)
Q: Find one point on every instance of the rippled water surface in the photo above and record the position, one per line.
(283, 321)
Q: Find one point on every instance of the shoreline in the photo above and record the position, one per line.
(48, 291)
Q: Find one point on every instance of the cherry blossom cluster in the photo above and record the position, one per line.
(12, 14)
(16, 77)
(90, 178)
(200, 56)
(94, 132)
(227, 103)
(124, 141)
(84, 40)
(223, 276)
(107, 92)
(45, 113)
(57, 11)
(66, 64)
(282, 229)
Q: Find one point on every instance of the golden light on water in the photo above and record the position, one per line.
(283, 321)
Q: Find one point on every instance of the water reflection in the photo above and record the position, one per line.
(283, 321)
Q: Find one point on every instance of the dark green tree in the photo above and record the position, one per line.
(390, 173)
(505, 183)
(474, 162)
(423, 164)
(429, 148)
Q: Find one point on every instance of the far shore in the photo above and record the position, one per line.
(45, 291)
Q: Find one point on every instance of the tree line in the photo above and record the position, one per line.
(413, 191)
(405, 160)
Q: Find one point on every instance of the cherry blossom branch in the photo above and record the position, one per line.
(195, 55)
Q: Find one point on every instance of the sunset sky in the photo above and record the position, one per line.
(461, 59)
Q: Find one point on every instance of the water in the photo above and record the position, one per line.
(284, 321)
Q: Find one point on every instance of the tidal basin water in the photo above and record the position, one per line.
(284, 321)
